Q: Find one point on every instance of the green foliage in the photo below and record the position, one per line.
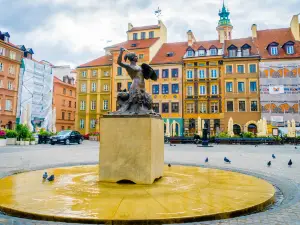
(277, 138)
(11, 134)
(223, 135)
(26, 139)
(32, 138)
(23, 131)
(44, 133)
(248, 135)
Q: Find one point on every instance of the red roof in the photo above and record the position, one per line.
(207, 44)
(281, 36)
(239, 43)
(139, 44)
(145, 28)
(57, 80)
(101, 61)
(11, 44)
(178, 49)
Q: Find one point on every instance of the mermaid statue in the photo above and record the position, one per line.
(136, 101)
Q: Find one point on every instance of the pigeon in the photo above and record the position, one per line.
(269, 163)
(51, 178)
(295, 147)
(290, 163)
(45, 176)
(256, 146)
(169, 165)
(206, 160)
(273, 156)
(226, 160)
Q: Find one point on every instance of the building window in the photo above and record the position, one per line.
(157, 73)
(12, 55)
(155, 89)
(252, 68)
(274, 50)
(175, 107)
(165, 88)
(241, 87)
(119, 86)
(83, 87)
(129, 85)
(242, 106)
(202, 89)
(69, 116)
(1, 66)
(229, 106)
(174, 73)
(202, 52)
(9, 85)
(94, 73)
(62, 127)
(229, 87)
(64, 91)
(11, 69)
(213, 73)
(82, 105)
(141, 56)
(62, 115)
(229, 69)
(202, 107)
(94, 87)
(290, 49)
(1, 83)
(93, 105)
(214, 89)
(190, 108)
(143, 35)
(105, 104)
(189, 91)
(2, 51)
(135, 36)
(165, 73)
(70, 104)
(64, 102)
(81, 123)
(83, 73)
(119, 71)
(93, 123)
(246, 51)
(189, 74)
(232, 53)
(241, 69)
(8, 105)
(202, 74)
(190, 53)
(253, 106)
(165, 107)
(70, 92)
(214, 107)
(105, 87)
(253, 86)
(175, 88)
(106, 73)
(151, 34)
(213, 51)
(155, 107)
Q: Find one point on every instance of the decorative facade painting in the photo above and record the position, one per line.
(280, 91)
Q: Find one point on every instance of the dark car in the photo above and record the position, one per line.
(66, 137)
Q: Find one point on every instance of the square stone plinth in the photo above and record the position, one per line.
(131, 148)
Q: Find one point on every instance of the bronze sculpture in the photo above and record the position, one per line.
(136, 101)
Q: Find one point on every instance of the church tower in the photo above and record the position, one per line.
(224, 27)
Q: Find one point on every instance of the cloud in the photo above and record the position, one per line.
(76, 31)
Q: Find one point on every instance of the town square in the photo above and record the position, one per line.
(149, 112)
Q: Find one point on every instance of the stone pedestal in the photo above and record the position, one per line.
(131, 148)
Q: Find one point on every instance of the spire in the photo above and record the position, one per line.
(224, 16)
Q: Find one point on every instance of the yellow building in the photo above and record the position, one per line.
(93, 93)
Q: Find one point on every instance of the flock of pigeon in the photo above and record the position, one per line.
(45, 177)
(290, 163)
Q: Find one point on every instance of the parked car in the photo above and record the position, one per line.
(66, 137)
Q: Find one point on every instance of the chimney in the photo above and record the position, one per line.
(254, 30)
(130, 26)
(295, 27)
(191, 38)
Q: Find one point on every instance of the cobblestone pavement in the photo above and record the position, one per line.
(246, 159)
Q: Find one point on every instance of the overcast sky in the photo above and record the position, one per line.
(72, 32)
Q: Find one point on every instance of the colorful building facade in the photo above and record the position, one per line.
(64, 103)
(10, 60)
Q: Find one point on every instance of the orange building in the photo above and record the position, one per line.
(10, 60)
(64, 101)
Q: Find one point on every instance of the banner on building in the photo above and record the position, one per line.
(277, 118)
(279, 89)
